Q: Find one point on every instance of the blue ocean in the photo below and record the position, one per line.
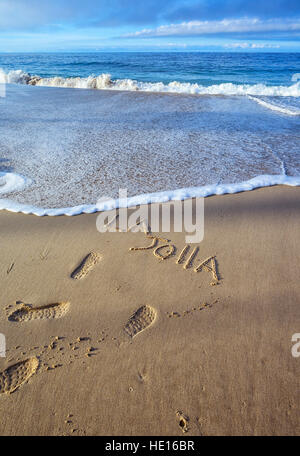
(77, 127)
(201, 68)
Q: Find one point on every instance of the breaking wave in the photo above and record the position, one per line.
(105, 82)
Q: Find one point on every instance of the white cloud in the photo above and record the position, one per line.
(242, 25)
(251, 46)
(183, 45)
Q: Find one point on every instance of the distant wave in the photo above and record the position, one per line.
(158, 197)
(104, 82)
(275, 107)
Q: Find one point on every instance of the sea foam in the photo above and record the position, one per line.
(11, 182)
(158, 197)
(105, 82)
(274, 107)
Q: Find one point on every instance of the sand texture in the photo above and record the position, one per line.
(157, 337)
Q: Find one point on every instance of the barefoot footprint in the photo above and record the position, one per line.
(17, 374)
(49, 311)
(140, 320)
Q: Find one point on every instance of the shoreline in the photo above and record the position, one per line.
(128, 344)
(258, 182)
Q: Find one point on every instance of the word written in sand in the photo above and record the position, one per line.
(185, 258)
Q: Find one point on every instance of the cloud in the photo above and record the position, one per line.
(251, 46)
(225, 26)
(171, 45)
(218, 9)
(186, 17)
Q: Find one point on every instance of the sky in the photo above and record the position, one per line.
(150, 25)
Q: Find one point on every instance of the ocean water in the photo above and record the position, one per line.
(75, 128)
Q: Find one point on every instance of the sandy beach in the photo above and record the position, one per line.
(130, 344)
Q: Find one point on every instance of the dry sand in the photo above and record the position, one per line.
(128, 344)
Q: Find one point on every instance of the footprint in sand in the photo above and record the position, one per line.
(140, 320)
(17, 374)
(86, 265)
(49, 311)
(10, 268)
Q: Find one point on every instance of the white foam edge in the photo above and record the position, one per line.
(274, 107)
(158, 197)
